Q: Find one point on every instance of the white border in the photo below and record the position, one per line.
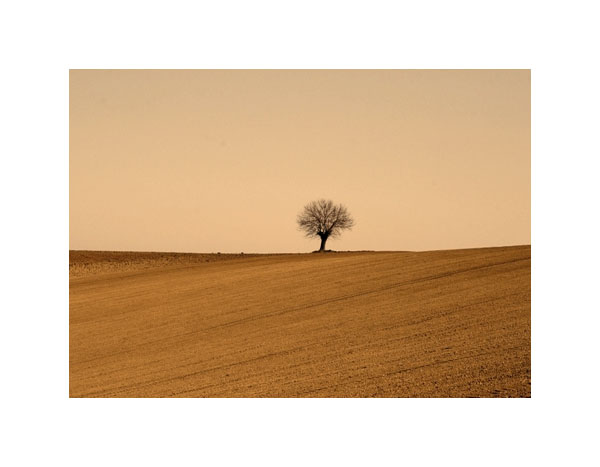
(42, 40)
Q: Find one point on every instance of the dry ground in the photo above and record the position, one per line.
(368, 324)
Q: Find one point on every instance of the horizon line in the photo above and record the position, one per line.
(299, 253)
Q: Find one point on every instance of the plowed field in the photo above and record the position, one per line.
(450, 323)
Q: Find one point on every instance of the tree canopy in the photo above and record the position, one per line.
(324, 219)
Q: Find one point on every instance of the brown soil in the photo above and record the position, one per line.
(83, 263)
(368, 324)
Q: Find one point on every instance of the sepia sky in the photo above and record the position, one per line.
(208, 161)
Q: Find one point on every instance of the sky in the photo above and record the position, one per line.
(224, 160)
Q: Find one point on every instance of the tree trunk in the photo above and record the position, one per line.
(323, 240)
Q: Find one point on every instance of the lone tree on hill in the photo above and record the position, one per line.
(324, 219)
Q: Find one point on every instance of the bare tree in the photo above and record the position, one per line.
(324, 219)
